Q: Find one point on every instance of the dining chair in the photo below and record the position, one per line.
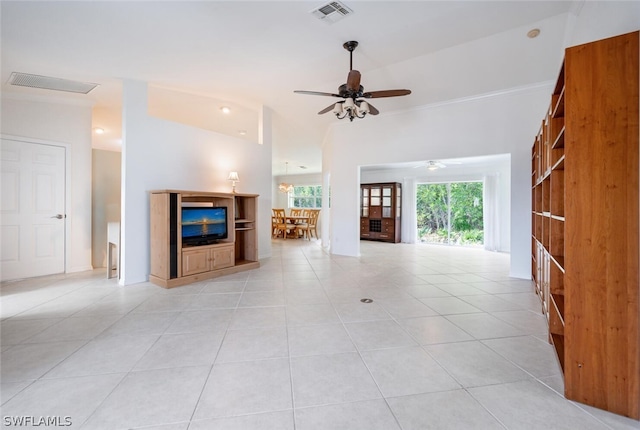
(279, 223)
(274, 226)
(297, 222)
(311, 225)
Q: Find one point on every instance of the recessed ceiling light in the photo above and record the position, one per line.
(532, 34)
(98, 130)
(242, 132)
(225, 109)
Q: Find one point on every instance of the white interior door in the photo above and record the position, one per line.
(33, 209)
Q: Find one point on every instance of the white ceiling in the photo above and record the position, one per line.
(252, 54)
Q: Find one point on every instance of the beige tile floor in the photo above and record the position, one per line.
(449, 342)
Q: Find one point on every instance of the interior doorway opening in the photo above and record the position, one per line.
(450, 213)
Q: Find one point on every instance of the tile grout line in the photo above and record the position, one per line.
(213, 363)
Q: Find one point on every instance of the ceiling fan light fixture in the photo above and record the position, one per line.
(349, 109)
(349, 104)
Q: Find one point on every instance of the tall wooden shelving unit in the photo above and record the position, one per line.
(585, 219)
(548, 216)
(174, 264)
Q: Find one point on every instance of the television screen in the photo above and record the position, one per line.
(201, 225)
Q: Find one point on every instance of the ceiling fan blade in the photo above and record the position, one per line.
(386, 93)
(316, 93)
(372, 109)
(327, 109)
(353, 80)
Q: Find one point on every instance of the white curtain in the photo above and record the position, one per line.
(491, 213)
(409, 226)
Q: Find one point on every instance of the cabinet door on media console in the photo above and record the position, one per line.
(222, 257)
(195, 261)
(201, 259)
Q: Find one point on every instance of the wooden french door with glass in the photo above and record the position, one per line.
(380, 207)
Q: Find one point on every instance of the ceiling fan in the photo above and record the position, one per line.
(435, 165)
(353, 105)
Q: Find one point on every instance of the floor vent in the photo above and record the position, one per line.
(331, 12)
(49, 83)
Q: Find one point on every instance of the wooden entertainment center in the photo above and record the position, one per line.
(586, 211)
(174, 263)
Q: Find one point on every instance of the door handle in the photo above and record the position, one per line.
(59, 216)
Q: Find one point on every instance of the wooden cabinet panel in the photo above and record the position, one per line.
(203, 259)
(602, 350)
(364, 227)
(556, 325)
(159, 237)
(380, 208)
(586, 214)
(222, 257)
(195, 261)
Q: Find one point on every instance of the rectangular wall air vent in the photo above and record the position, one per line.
(49, 83)
(331, 12)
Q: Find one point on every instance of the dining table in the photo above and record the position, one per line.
(296, 219)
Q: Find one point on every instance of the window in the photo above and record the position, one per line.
(309, 196)
(450, 213)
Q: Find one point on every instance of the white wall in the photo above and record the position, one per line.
(595, 20)
(501, 123)
(105, 198)
(159, 154)
(504, 123)
(60, 121)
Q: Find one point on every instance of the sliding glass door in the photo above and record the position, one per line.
(450, 213)
(432, 213)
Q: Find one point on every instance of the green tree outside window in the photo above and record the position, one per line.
(308, 196)
(450, 213)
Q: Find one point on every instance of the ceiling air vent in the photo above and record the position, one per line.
(331, 12)
(49, 83)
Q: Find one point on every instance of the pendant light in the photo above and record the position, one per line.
(284, 187)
